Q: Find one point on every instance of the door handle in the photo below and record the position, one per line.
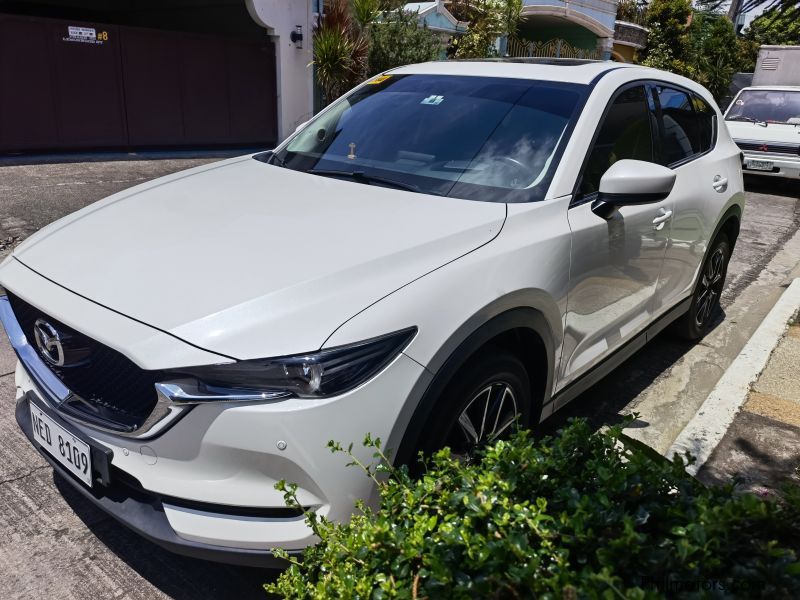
(659, 221)
(720, 183)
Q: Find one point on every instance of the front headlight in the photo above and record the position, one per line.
(317, 375)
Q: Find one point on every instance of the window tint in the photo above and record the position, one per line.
(706, 121)
(483, 138)
(625, 133)
(680, 135)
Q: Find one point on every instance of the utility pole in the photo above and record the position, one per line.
(734, 10)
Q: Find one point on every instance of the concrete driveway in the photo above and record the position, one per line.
(54, 546)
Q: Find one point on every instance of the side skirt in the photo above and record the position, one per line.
(599, 371)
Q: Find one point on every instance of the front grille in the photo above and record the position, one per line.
(108, 388)
(774, 147)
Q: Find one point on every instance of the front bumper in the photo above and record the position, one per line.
(137, 509)
(205, 487)
(782, 165)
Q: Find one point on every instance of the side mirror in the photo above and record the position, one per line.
(630, 182)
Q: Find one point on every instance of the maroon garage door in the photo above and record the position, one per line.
(72, 85)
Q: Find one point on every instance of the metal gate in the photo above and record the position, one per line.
(555, 48)
(73, 85)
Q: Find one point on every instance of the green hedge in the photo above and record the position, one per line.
(579, 514)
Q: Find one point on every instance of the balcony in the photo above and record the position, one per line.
(630, 27)
(630, 34)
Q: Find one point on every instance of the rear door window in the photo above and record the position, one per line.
(680, 135)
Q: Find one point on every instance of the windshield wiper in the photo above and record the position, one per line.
(269, 157)
(749, 119)
(362, 177)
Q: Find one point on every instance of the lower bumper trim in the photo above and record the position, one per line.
(144, 513)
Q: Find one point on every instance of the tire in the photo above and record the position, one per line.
(697, 321)
(478, 398)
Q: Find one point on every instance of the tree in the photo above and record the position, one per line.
(713, 52)
(779, 25)
(397, 39)
(698, 44)
(668, 40)
(488, 20)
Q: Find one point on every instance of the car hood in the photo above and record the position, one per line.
(251, 260)
(774, 132)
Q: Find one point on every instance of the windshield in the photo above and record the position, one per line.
(493, 139)
(767, 106)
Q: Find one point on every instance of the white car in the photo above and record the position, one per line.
(448, 248)
(764, 121)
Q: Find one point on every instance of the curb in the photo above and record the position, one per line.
(707, 428)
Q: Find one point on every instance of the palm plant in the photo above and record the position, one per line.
(365, 12)
(341, 47)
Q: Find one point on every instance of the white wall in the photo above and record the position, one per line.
(295, 88)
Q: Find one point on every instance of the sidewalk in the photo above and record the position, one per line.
(762, 446)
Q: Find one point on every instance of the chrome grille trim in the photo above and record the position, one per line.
(57, 396)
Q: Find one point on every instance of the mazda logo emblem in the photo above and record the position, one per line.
(49, 342)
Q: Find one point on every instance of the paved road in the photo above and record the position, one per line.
(53, 546)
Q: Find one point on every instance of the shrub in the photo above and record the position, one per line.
(577, 514)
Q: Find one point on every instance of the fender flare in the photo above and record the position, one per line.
(523, 317)
(733, 211)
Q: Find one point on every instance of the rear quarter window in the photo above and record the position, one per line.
(707, 123)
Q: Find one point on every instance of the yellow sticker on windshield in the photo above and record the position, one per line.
(378, 79)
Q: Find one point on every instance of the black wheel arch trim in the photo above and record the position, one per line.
(461, 346)
(734, 211)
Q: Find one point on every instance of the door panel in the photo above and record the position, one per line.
(686, 126)
(88, 88)
(204, 88)
(615, 263)
(152, 86)
(613, 277)
(27, 113)
(71, 84)
(691, 223)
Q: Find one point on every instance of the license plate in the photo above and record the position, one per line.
(759, 165)
(74, 454)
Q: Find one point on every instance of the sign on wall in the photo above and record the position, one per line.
(85, 35)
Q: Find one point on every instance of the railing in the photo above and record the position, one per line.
(556, 48)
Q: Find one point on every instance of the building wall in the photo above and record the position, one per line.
(588, 24)
(86, 85)
(604, 12)
(623, 53)
(295, 78)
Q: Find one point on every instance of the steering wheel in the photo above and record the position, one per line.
(516, 170)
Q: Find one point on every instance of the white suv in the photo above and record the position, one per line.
(449, 247)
